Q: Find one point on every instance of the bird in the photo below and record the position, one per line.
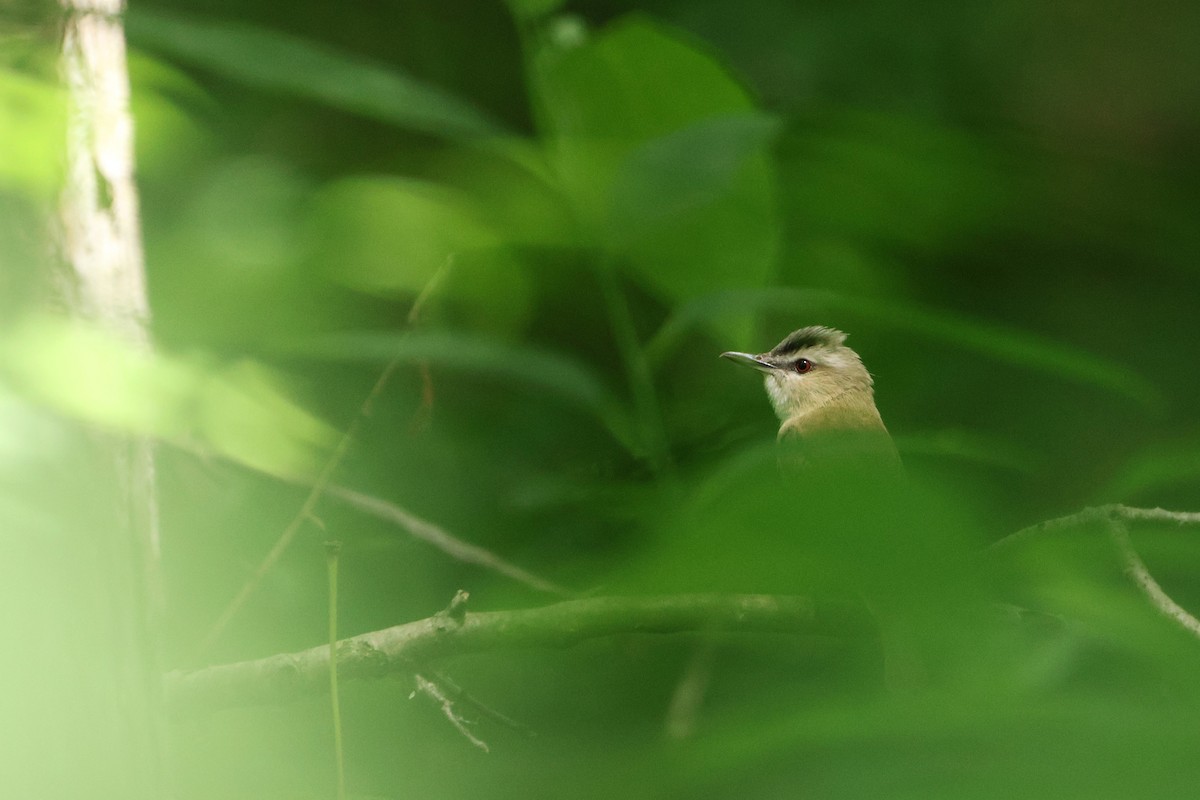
(846, 488)
(825, 400)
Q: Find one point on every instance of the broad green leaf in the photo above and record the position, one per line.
(1004, 344)
(634, 82)
(664, 157)
(694, 209)
(278, 62)
(523, 366)
(389, 235)
(240, 412)
(381, 233)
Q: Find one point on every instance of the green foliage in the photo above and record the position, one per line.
(275, 62)
(237, 411)
(1009, 244)
(664, 157)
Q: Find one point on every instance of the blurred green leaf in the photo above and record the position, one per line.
(636, 81)
(240, 412)
(1084, 745)
(1004, 344)
(382, 233)
(969, 447)
(695, 209)
(892, 178)
(168, 133)
(531, 9)
(392, 236)
(526, 366)
(1158, 467)
(664, 156)
(278, 62)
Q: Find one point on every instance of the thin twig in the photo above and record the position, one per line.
(1136, 569)
(1115, 519)
(332, 548)
(307, 509)
(322, 482)
(449, 544)
(1102, 514)
(463, 696)
(434, 692)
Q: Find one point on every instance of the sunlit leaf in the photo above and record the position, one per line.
(278, 62)
(240, 412)
(382, 233)
(392, 237)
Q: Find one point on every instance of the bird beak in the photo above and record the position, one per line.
(748, 360)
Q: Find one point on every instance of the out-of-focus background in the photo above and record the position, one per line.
(552, 217)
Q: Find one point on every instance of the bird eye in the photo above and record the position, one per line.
(802, 366)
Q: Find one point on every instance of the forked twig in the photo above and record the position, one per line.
(460, 723)
(1115, 519)
(1136, 569)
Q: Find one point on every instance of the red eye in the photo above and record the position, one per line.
(802, 366)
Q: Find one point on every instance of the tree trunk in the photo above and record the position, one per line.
(84, 708)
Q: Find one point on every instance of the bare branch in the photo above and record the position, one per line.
(1135, 568)
(401, 648)
(448, 543)
(1115, 519)
(1101, 514)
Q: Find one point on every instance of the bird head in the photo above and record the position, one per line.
(810, 368)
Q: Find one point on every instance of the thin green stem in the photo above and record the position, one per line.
(332, 548)
(637, 368)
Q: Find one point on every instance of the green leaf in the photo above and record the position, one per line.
(277, 62)
(535, 369)
(239, 411)
(380, 233)
(1004, 344)
(532, 9)
(387, 235)
(695, 209)
(664, 157)
(1162, 466)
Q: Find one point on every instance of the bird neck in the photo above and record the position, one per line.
(851, 408)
